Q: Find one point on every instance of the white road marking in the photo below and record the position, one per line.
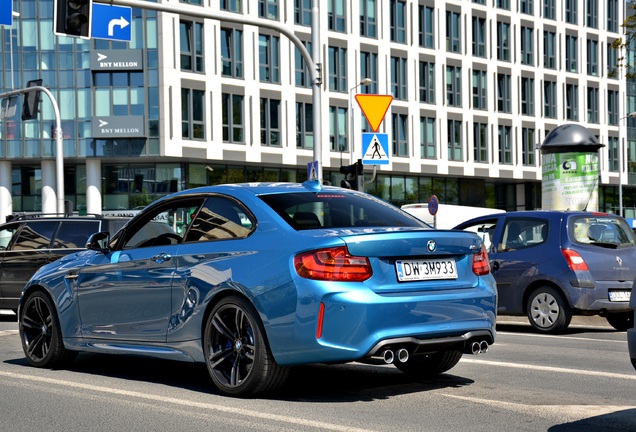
(562, 412)
(8, 332)
(560, 337)
(551, 369)
(189, 403)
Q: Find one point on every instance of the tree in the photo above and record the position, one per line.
(626, 46)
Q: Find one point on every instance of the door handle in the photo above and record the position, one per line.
(161, 257)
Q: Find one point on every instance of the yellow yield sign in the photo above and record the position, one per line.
(374, 108)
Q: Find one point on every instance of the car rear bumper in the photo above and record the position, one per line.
(359, 324)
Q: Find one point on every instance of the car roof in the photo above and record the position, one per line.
(537, 213)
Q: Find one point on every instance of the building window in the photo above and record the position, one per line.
(612, 153)
(399, 129)
(427, 82)
(612, 107)
(527, 46)
(527, 96)
(504, 93)
(191, 40)
(233, 124)
(455, 140)
(269, 58)
(428, 147)
(338, 69)
(480, 139)
(453, 32)
(338, 129)
(398, 21)
(612, 61)
(592, 57)
(527, 146)
(368, 21)
(591, 13)
(268, 9)
(302, 12)
(549, 99)
(572, 11)
(592, 105)
(479, 37)
(480, 92)
(503, 41)
(572, 102)
(303, 78)
(454, 86)
(571, 53)
(549, 49)
(270, 122)
(526, 7)
(549, 9)
(505, 145)
(304, 126)
(399, 81)
(503, 4)
(426, 18)
(482, 2)
(337, 16)
(192, 114)
(232, 53)
(232, 5)
(369, 69)
(612, 16)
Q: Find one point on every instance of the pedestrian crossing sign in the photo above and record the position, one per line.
(375, 149)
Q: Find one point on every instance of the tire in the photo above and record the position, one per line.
(621, 321)
(237, 355)
(425, 366)
(547, 311)
(40, 333)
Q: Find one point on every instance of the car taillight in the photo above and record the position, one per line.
(481, 265)
(574, 260)
(333, 264)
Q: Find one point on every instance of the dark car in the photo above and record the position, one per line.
(252, 278)
(631, 334)
(550, 265)
(28, 242)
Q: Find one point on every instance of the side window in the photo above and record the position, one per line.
(164, 225)
(35, 235)
(73, 234)
(6, 234)
(486, 230)
(523, 233)
(219, 218)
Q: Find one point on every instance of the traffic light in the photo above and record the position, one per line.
(31, 101)
(72, 18)
(352, 172)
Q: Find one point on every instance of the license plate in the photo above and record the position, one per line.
(416, 270)
(620, 296)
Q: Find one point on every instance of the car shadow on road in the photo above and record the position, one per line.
(351, 382)
(624, 420)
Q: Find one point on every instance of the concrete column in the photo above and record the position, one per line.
(6, 203)
(93, 186)
(49, 196)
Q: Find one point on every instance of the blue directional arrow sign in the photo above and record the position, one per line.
(111, 22)
(6, 12)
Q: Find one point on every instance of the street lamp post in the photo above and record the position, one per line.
(620, 167)
(365, 82)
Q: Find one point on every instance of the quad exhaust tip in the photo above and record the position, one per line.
(402, 355)
(479, 347)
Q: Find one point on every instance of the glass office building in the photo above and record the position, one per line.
(190, 101)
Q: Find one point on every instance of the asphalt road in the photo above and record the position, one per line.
(580, 381)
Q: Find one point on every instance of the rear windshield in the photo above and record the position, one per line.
(309, 210)
(603, 231)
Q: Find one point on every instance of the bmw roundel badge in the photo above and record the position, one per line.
(431, 245)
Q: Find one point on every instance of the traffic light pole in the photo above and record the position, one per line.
(314, 68)
(59, 148)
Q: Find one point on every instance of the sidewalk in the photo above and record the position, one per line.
(585, 321)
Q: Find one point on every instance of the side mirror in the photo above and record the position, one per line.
(99, 242)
